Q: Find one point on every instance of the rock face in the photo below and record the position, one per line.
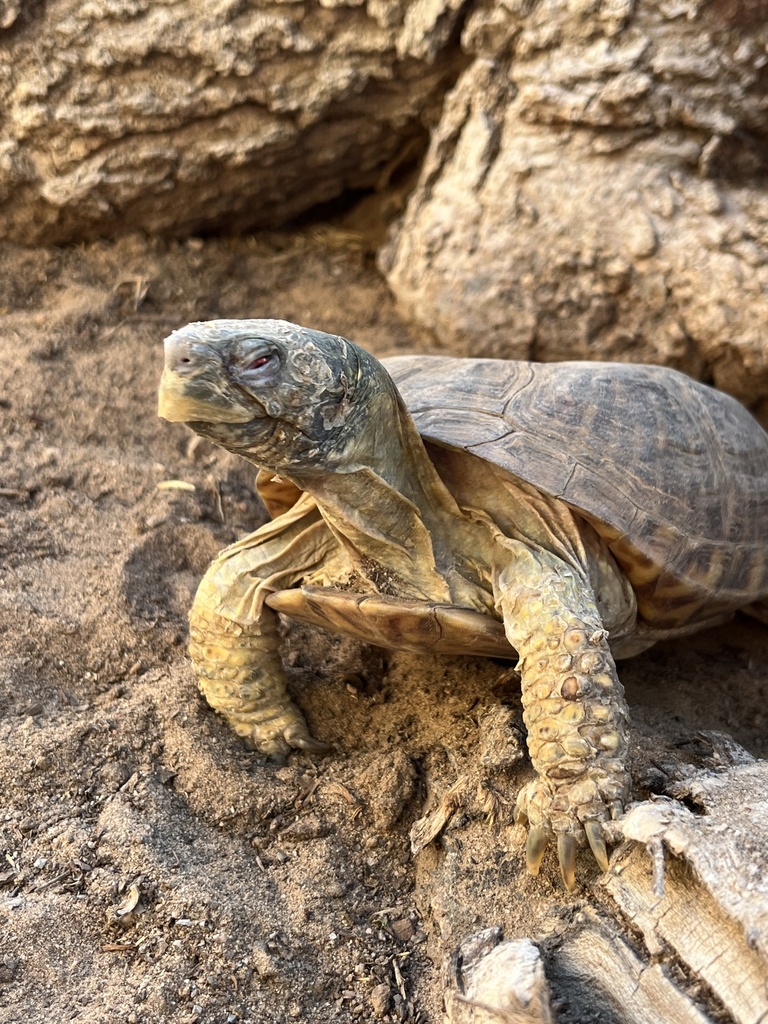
(595, 186)
(596, 189)
(174, 117)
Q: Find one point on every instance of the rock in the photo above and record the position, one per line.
(176, 117)
(379, 999)
(388, 784)
(594, 190)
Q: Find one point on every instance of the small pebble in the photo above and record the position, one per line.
(379, 1000)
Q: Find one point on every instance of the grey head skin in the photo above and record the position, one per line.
(284, 397)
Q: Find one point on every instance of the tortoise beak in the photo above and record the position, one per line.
(193, 386)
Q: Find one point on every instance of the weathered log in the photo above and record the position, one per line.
(710, 908)
(596, 189)
(683, 938)
(175, 117)
(598, 973)
(490, 981)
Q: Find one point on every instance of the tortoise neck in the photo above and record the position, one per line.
(388, 463)
(387, 504)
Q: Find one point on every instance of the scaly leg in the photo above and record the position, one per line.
(574, 708)
(234, 641)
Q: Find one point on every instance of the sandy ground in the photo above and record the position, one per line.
(150, 868)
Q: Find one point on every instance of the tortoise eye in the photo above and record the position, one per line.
(260, 361)
(256, 366)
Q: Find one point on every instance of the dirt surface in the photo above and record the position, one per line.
(150, 868)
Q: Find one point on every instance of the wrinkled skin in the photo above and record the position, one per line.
(363, 511)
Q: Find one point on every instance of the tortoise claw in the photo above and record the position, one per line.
(300, 739)
(534, 849)
(594, 831)
(275, 748)
(566, 855)
(570, 825)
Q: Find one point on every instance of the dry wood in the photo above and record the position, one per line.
(597, 967)
(713, 913)
(497, 984)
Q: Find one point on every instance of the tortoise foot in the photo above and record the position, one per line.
(572, 814)
(241, 675)
(275, 731)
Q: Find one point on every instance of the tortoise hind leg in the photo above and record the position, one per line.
(574, 708)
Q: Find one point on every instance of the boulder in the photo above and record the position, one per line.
(173, 117)
(596, 189)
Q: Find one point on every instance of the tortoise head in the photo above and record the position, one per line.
(284, 396)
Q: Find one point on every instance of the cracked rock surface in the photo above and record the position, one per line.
(595, 189)
(177, 117)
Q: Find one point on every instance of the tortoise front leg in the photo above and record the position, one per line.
(241, 675)
(574, 707)
(234, 639)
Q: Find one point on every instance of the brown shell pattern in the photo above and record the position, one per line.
(672, 472)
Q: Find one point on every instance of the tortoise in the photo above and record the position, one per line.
(565, 514)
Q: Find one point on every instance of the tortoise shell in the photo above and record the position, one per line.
(672, 473)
